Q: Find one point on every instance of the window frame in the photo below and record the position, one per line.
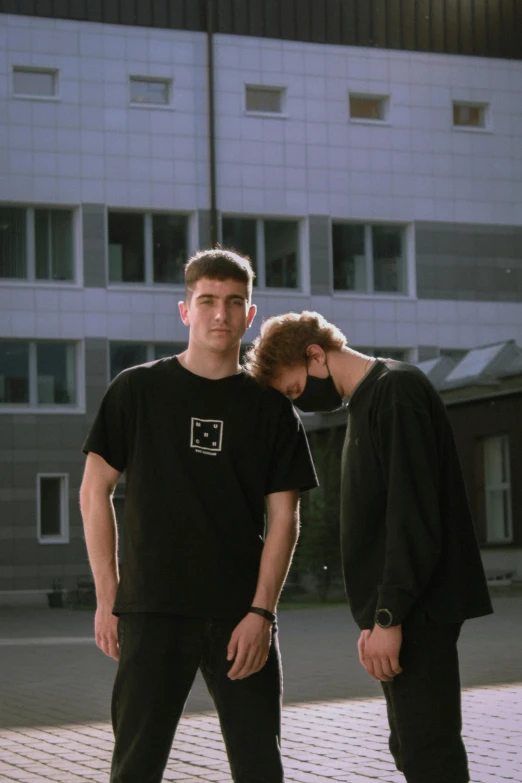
(505, 486)
(386, 103)
(55, 72)
(303, 263)
(166, 80)
(64, 536)
(148, 238)
(409, 291)
(49, 408)
(282, 114)
(484, 106)
(30, 244)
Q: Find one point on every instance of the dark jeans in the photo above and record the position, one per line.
(424, 707)
(159, 658)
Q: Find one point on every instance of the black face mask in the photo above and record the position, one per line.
(319, 394)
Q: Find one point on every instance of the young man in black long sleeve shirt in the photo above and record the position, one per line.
(412, 566)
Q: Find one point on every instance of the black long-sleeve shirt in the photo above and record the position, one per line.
(407, 534)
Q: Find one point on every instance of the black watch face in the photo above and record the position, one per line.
(384, 618)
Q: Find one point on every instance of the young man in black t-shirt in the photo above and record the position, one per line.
(203, 449)
(411, 562)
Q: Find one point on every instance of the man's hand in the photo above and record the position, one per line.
(379, 652)
(106, 631)
(248, 646)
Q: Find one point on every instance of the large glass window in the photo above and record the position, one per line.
(38, 374)
(170, 251)
(369, 258)
(126, 247)
(240, 234)
(281, 248)
(53, 244)
(36, 244)
(349, 257)
(148, 248)
(271, 245)
(388, 259)
(13, 251)
(56, 369)
(125, 355)
(53, 508)
(499, 521)
(14, 372)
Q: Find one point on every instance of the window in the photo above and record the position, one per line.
(368, 107)
(125, 355)
(52, 498)
(369, 258)
(272, 246)
(469, 115)
(266, 100)
(147, 248)
(36, 244)
(498, 490)
(151, 92)
(35, 82)
(240, 234)
(38, 374)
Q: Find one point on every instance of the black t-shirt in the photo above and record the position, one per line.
(407, 535)
(199, 457)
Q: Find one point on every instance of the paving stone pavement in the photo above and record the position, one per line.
(55, 690)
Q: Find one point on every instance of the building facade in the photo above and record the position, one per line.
(371, 166)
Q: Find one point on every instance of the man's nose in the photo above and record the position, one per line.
(221, 312)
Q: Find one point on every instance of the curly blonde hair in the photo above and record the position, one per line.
(283, 341)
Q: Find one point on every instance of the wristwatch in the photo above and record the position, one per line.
(384, 618)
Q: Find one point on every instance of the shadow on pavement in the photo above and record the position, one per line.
(51, 673)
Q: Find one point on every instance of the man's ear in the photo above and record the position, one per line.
(251, 315)
(316, 353)
(183, 311)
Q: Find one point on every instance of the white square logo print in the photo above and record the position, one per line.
(206, 434)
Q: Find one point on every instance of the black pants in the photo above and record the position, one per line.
(159, 658)
(424, 705)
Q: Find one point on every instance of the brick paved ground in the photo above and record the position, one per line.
(55, 690)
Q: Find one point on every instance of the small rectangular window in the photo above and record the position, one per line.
(368, 107)
(152, 92)
(499, 521)
(170, 248)
(267, 100)
(125, 355)
(281, 253)
(13, 251)
(240, 234)
(126, 247)
(52, 492)
(369, 258)
(35, 82)
(14, 373)
(53, 232)
(469, 115)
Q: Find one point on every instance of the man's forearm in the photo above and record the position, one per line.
(275, 562)
(99, 521)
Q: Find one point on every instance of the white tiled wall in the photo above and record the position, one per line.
(89, 145)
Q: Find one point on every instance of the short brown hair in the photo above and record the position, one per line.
(283, 342)
(219, 264)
